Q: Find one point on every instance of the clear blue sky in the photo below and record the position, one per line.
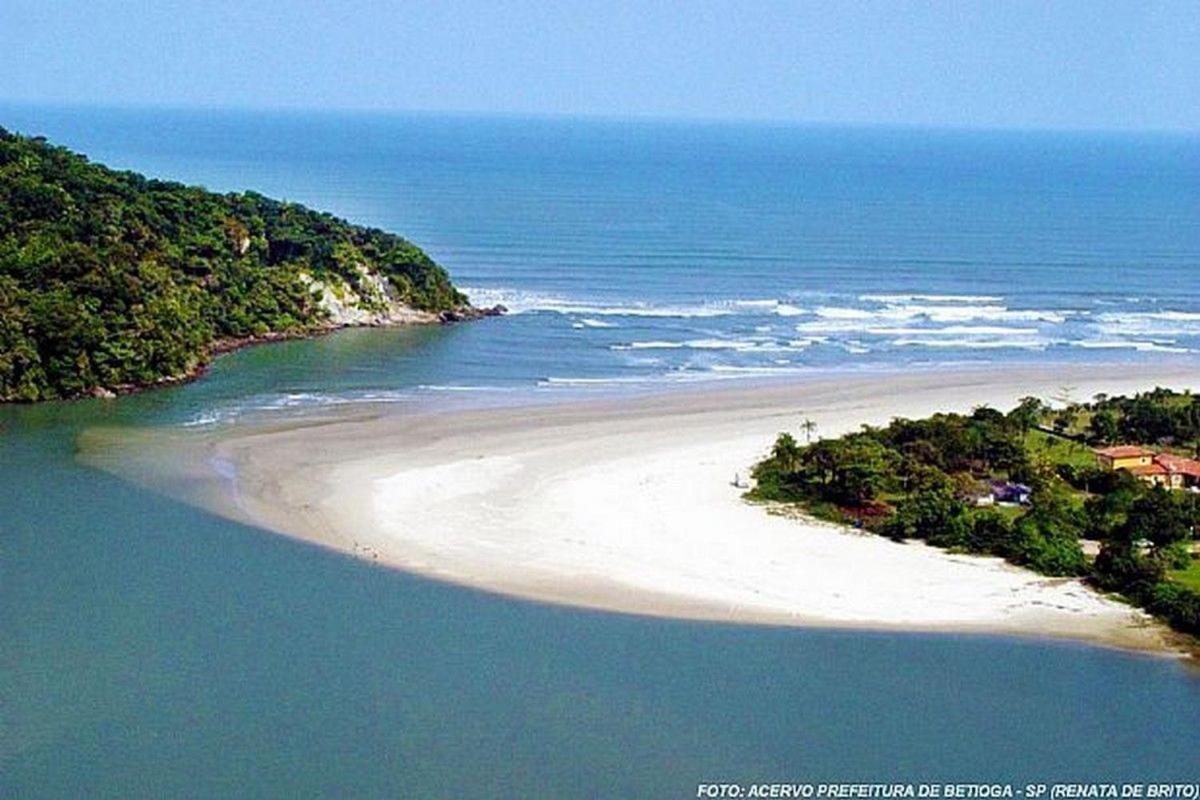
(1086, 64)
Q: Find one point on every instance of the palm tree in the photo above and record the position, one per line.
(1065, 396)
(809, 427)
(786, 453)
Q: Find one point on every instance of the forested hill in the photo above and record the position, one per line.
(110, 280)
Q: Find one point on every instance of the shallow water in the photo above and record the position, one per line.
(150, 649)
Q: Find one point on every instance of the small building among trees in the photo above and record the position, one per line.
(1125, 456)
(1157, 469)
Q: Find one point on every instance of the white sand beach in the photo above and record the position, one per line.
(627, 504)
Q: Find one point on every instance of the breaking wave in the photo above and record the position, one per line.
(638, 343)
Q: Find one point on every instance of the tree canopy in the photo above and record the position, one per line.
(110, 279)
(936, 479)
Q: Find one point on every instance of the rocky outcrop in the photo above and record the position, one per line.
(470, 313)
(374, 301)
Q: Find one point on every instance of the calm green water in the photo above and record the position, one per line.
(152, 650)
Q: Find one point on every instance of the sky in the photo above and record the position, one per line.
(1090, 64)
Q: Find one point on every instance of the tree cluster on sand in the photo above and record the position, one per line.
(928, 479)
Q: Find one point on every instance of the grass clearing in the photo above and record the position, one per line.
(1058, 450)
(1189, 577)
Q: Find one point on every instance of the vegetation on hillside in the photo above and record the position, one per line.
(110, 280)
(925, 479)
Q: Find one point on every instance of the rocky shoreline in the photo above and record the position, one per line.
(470, 313)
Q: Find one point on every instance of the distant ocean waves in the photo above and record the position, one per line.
(860, 325)
(560, 346)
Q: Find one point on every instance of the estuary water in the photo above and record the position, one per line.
(150, 649)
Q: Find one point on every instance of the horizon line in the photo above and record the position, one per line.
(645, 118)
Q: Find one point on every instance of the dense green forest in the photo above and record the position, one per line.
(936, 479)
(110, 280)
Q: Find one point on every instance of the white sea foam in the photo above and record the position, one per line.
(830, 326)
(654, 345)
(788, 310)
(756, 303)
(753, 344)
(295, 401)
(998, 313)
(954, 330)
(1188, 316)
(690, 374)
(643, 361)
(776, 307)
(850, 318)
(452, 387)
(299, 401)
(840, 312)
(626, 380)
(975, 344)
(1149, 323)
(522, 302)
(721, 344)
(737, 369)
(893, 310)
(930, 298)
(1129, 344)
(203, 418)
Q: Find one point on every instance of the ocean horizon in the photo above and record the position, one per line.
(652, 253)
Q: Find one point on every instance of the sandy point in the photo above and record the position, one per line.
(627, 504)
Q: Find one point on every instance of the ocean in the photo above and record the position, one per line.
(644, 254)
(148, 648)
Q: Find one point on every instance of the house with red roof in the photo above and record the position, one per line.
(1159, 469)
(1125, 456)
(1182, 473)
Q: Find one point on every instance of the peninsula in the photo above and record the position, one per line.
(630, 504)
(111, 281)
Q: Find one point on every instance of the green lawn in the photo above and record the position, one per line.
(1012, 512)
(1059, 450)
(1189, 577)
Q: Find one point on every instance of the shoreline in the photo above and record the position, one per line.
(228, 346)
(626, 504)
